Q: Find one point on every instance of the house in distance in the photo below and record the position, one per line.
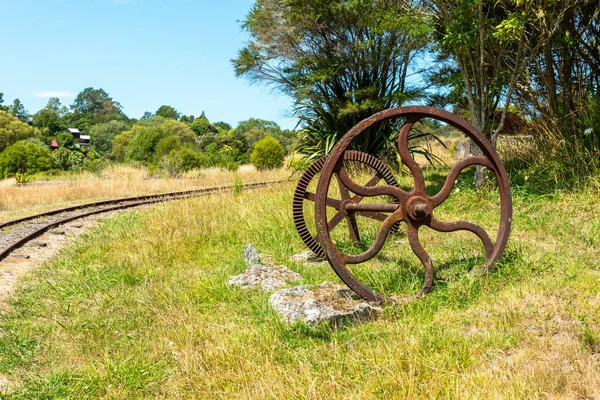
(80, 140)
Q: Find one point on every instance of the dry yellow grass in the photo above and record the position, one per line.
(113, 182)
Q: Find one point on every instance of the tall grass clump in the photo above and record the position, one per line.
(565, 153)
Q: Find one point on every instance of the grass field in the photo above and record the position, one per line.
(112, 182)
(139, 309)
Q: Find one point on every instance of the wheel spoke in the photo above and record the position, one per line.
(350, 217)
(464, 225)
(444, 192)
(405, 155)
(384, 229)
(337, 218)
(415, 244)
(335, 203)
(369, 191)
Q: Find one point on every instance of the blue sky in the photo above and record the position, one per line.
(144, 53)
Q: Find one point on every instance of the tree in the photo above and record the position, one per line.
(491, 44)
(50, 119)
(339, 61)
(102, 135)
(2, 108)
(203, 127)
(13, 130)
(18, 110)
(254, 129)
(94, 106)
(221, 125)
(28, 156)
(267, 154)
(565, 70)
(180, 130)
(188, 119)
(167, 112)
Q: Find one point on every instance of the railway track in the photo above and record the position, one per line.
(15, 233)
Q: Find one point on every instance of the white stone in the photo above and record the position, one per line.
(251, 256)
(327, 302)
(307, 257)
(265, 277)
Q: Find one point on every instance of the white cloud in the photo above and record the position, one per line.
(48, 94)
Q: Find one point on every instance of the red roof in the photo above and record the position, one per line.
(54, 143)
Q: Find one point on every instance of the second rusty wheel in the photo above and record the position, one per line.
(303, 195)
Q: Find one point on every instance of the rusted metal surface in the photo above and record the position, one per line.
(14, 234)
(415, 208)
(345, 205)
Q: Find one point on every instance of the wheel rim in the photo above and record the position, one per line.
(415, 208)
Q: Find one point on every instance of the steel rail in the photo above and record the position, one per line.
(131, 202)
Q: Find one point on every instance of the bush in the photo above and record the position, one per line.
(143, 145)
(25, 156)
(60, 158)
(182, 160)
(267, 154)
(191, 159)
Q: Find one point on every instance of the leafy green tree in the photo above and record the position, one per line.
(121, 142)
(65, 140)
(30, 156)
(142, 146)
(102, 135)
(94, 106)
(167, 112)
(339, 61)
(51, 119)
(18, 110)
(203, 127)
(180, 130)
(13, 130)
(2, 108)
(224, 126)
(147, 115)
(267, 154)
(188, 119)
(166, 145)
(254, 129)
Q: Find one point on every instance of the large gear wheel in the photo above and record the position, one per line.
(415, 208)
(301, 195)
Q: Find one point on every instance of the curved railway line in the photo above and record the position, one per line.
(15, 233)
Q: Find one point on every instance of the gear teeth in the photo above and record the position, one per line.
(299, 194)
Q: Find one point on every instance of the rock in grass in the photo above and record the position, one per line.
(327, 302)
(251, 256)
(307, 257)
(258, 276)
(265, 277)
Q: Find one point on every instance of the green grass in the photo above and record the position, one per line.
(139, 308)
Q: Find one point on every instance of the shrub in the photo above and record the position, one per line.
(60, 158)
(267, 154)
(29, 156)
(191, 159)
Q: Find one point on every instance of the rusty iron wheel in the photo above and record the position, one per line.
(302, 195)
(415, 208)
